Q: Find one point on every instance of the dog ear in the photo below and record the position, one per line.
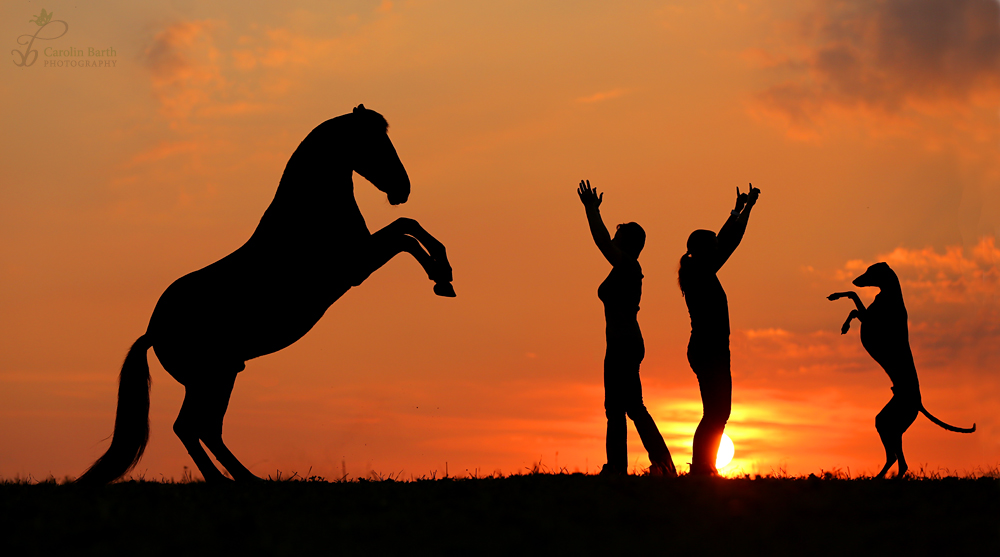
(886, 271)
(359, 108)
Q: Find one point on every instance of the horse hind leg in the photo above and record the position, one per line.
(209, 402)
(189, 422)
(217, 403)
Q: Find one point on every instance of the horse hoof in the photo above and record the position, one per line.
(444, 289)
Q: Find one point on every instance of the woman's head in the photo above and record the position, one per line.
(630, 238)
(700, 244)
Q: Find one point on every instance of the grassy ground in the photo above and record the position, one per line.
(547, 514)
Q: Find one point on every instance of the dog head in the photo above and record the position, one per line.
(880, 275)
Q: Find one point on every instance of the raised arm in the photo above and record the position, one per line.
(592, 203)
(731, 233)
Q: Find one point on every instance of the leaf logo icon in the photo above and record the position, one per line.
(42, 18)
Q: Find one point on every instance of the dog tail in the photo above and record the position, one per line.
(944, 425)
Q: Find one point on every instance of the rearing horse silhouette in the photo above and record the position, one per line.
(311, 246)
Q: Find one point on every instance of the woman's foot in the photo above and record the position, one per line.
(704, 471)
(663, 469)
(609, 470)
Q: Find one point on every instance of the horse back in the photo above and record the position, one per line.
(242, 306)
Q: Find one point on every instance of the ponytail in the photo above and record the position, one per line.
(683, 271)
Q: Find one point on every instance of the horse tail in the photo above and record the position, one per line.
(131, 420)
(944, 425)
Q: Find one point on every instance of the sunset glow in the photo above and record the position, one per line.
(871, 128)
(726, 451)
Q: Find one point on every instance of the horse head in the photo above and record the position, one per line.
(375, 158)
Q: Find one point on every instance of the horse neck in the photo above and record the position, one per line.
(316, 189)
(320, 165)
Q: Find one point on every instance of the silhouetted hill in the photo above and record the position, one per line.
(531, 514)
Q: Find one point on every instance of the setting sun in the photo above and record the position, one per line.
(726, 451)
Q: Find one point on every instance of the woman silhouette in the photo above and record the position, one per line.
(620, 293)
(708, 350)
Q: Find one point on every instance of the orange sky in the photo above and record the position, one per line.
(872, 129)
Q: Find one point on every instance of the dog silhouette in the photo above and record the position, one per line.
(885, 336)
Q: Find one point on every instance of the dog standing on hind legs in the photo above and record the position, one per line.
(885, 336)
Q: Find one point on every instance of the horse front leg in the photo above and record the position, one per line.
(406, 235)
(435, 248)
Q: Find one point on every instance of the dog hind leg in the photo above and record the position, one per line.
(907, 415)
(894, 419)
(892, 439)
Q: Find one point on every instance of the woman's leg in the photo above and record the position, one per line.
(659, 456)
(716, 384)
(614, 409)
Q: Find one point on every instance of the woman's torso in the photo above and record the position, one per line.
(621, 293)
(708, 307)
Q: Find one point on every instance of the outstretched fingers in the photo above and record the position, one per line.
(741, 200)
(588, 195)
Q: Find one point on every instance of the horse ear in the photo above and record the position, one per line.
(359, 108)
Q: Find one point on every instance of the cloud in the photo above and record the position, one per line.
(953, 307)
(952, 302)
(185, 67)
(886, 59)
(202, 69)
(952, 277)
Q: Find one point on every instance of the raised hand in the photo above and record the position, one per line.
(588, 195)
(741, 200)
(754, 194)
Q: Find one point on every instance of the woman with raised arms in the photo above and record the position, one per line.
(708, 349)
(620, 293)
